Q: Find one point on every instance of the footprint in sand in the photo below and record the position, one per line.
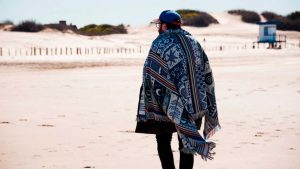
(127, 131)
(292, 83)
(46, 125)
(223, 98)
(274, 136)
(259, 134)
(260, 90)
(243, 142)
(36, 156)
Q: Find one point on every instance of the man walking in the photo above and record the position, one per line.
(177, 92)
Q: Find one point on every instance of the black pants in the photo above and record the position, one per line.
(166, 155)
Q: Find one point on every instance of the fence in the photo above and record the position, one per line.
(237, 47)
(78, 51)
(54, 51)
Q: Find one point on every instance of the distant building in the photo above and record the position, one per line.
(63, 23)
(62, 26)
(267, 34)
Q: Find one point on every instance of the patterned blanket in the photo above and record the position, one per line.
(178, 87)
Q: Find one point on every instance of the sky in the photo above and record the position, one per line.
(127, 12)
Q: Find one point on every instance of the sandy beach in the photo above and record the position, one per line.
(70, 112)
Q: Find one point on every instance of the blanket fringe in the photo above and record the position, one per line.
(208, 154)
(212, 132)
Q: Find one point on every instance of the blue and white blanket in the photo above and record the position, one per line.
(178, 87)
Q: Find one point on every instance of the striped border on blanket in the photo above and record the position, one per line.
(158, 59)
(190, 65)
(162, 80)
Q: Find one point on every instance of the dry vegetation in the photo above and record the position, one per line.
(196, 18)
(289, 22)
(105, 29)
(247, 16)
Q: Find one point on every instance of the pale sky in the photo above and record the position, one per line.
(132, 12)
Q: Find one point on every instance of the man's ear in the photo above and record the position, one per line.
(164, 27)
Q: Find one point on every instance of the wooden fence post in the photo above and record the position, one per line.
(34, 51)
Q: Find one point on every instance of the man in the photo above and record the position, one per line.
(177, 91)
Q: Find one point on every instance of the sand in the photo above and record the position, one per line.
(79, 111)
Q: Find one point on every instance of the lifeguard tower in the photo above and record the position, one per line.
(267, 34)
